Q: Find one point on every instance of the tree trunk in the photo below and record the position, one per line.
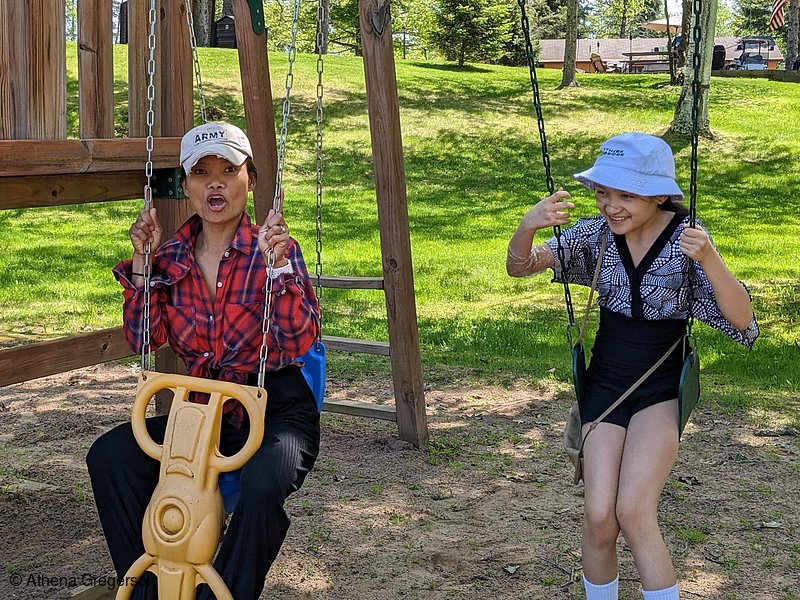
(323, 22)
(686, 22)
(202, 16)
(792, 35)
(227, 8)
(682, 122)
(673, 74)
(568, 78)
(461, 56)
(623, 21)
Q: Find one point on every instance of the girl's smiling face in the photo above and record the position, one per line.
(625, 211)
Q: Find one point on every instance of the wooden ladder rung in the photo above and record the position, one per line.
(361, 409)
(333, 342)
(350, 283)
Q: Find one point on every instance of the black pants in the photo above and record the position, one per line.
(123, 479)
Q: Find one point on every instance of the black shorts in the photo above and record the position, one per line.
(624, 349)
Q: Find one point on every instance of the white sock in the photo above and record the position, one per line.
(607, 591)
(670, 593)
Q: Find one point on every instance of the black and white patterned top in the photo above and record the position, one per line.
(655, 289)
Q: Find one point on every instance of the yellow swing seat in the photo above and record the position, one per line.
(183, 523)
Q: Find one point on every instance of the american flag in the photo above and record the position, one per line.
(776, 19)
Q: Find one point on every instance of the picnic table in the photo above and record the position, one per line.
(653, 61)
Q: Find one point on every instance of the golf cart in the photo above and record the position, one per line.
(753, 49)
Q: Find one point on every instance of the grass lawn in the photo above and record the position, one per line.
(473, 167)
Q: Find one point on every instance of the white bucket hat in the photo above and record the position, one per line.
(634, 162)
(214, 139)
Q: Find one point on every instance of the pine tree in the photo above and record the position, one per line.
(476, 30)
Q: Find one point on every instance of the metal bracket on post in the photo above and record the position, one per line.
(166, 184)
(257, 15)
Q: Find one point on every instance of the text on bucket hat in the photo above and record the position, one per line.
(214, 139)
(634, 162)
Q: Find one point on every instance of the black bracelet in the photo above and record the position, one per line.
(135, 273)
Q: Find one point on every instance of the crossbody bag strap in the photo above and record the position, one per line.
(595, 277)
(631, 389)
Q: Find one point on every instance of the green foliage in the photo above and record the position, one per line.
(751, 17)
(345, 30)
(621, 18)
(475, 30)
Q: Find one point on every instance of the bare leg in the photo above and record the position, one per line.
(651, 447)
(602, 459)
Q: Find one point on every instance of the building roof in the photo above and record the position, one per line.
(612, 50)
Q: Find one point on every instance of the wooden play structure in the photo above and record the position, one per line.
(40, 167)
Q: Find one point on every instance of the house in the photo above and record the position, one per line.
(637, 55)
(223, 32)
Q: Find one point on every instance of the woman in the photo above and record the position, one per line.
(643, 297)
(208, 290)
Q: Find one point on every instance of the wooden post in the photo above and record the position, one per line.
(390, 184)
(35, 70)
(95, 69)
(177, 117)
(257, 93)
(138, 56)
(8, 70)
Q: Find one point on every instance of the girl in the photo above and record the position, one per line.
(643, 297)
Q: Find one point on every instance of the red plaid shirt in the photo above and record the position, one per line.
(223, 339)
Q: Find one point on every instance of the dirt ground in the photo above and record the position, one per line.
(488, 511)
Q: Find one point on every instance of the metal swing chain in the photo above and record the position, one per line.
(197, 77)
(277, 200)
(286, 108)
(696, 91)
(320, 91)
(546, 161)
(146, 359)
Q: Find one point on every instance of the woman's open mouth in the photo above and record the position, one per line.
(216, 202)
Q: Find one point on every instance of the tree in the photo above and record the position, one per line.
(682, 121)
(792, 34)
(413, 23)
(345, 25)
(751, 17)
(549, 19)
(202, 18)
(227, 8)
(472, 29)
(621, 18)
(568, 78)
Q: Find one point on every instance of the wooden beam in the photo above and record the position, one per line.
(350, 283)
(95, 69)
(42, 359)
(333, 342)
(257, 95)
(390, 185)
(23, 363)
(360, 409)
(26, 157)
(60, 190)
